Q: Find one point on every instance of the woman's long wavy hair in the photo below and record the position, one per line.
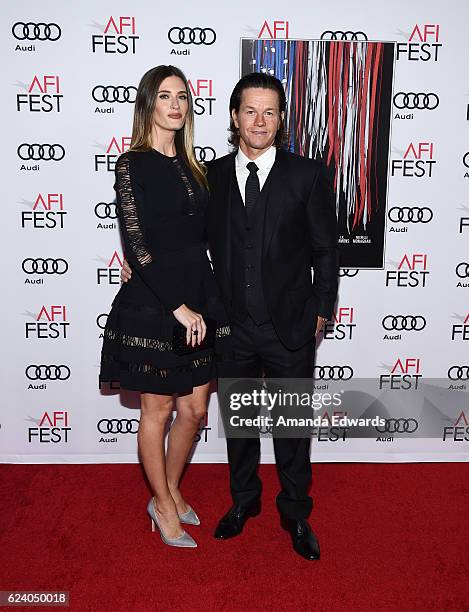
(143, 115)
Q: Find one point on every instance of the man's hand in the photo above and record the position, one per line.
(193, 322)
(320, 324)
(126, 272)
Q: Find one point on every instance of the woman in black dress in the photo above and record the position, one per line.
(161, 200)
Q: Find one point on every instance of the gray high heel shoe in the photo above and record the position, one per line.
(189, 517)
(183, 541)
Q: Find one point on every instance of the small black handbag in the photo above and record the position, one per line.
(180, 346)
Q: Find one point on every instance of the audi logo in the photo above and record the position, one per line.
(458, 372)
(36, 31)
(465, 159)
(413, 101)
(44, 152)
(205, 154)
(462, 270)
(347, 272)
(404, 322)
(103, 210)
(192, 36)
(101, 320)
(333, 372)
(398, 426)
(410, 214)
(47, 372)
(44, 266)
(114, 93)
(114, 426)
(339, 35)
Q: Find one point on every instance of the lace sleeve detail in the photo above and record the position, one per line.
(128, 205)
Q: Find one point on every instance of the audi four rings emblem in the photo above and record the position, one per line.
(339, 35)
(205, 153)
(333, 372)
(103, 210)
(36, 31)
(465, 159)
(458, 372)
(413, 101)
(347, 272)
(118, 426)
(404, 323)
(410, 214)
(101, 320)
(192, 36)
(44, 266)
(44, 152)
(462, 270)
(398, 426)
(114, 93)
(47, 372)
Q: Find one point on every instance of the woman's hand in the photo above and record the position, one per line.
(193, 322)
(126, 272)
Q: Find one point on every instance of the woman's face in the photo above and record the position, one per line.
(171, 104)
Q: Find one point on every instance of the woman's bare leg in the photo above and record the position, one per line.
(190, 410)
(155, 410)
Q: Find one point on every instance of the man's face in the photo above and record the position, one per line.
(258, 119)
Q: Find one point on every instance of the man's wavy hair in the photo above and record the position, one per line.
(262, 81)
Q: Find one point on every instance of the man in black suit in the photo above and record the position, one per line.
(271, 217)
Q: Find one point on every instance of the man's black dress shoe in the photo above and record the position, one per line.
(233, 522)
(305, 543)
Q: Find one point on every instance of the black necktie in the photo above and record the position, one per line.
(253, 188)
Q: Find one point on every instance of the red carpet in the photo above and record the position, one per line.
(393, 537)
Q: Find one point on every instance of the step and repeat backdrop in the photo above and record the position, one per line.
(380, 91)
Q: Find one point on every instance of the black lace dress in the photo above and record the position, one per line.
(162, 215)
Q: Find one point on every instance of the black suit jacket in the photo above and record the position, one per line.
(300, 231)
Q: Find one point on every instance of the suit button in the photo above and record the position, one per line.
(249, 267)
(249, 246)
(249, 286)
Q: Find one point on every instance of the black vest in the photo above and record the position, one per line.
(246, 256)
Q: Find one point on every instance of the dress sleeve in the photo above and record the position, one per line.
(129, 205)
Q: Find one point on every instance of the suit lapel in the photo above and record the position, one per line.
(275, 196)
(228, 175)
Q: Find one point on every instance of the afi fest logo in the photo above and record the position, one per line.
(116, 147)
(202, 92)
(110, 275)
(412, 271)
(417, 162)
(405, 374)
(274, 29)
(43, 95)
(458, 431)
(423, 44)
(120, 36)
(50, 323)
(47, 212)
(342, 325)
(460, 331)
(52, 427)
